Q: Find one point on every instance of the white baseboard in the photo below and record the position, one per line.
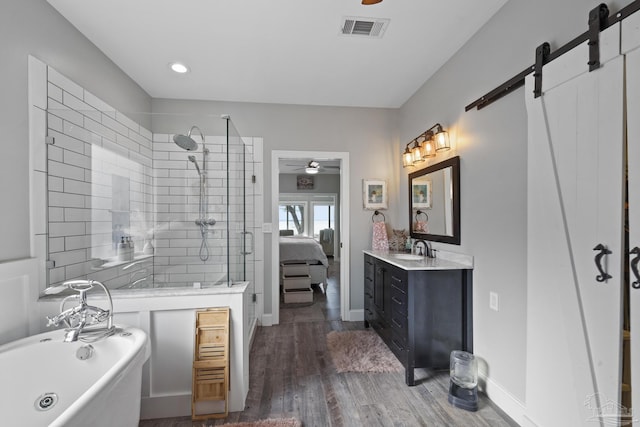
(355, 315)
(504, 400)
(267, 319)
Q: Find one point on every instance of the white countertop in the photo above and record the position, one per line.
(443, 261)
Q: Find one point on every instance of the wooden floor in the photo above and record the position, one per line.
(291, 375)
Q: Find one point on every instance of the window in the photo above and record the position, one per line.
(323, 217)
(291, 216)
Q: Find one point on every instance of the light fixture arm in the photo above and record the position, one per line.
(429, 133)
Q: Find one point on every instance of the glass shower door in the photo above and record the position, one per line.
(240, 213)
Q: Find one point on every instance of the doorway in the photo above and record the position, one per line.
(341, 245)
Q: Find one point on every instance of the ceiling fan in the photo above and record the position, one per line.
(313, 167)
(368, 2)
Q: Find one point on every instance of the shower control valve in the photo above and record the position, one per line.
(209, 221)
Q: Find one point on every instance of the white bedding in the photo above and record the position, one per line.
(302, 249)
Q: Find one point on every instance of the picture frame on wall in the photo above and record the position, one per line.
(374, 194)
(304, 182)
(421, 194)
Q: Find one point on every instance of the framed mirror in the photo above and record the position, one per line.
(434, 202)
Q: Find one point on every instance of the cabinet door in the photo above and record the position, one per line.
(575, 199)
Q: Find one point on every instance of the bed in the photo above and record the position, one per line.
(305, 249)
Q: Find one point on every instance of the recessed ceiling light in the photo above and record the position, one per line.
(179, 68)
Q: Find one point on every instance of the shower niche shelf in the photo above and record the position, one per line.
(115, 263)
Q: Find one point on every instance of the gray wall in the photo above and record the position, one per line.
(492, 144)
(33, 27)
(328, 183)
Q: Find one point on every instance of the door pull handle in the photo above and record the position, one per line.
(634, 267)
(603, 276)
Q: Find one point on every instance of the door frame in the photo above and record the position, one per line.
(276, 156)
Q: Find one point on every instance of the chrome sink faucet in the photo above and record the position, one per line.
(83, 320)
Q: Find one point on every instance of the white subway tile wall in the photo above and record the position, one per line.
(110, 178)
(91, 185)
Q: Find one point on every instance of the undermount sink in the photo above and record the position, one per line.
(408, 257)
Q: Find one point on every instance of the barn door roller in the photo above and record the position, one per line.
(542, 53)
(597, 21)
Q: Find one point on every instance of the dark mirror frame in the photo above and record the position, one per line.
(454, 163)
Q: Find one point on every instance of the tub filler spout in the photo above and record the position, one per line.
(83, 321)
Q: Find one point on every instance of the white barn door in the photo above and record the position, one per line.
(631, 47)
(575, 202)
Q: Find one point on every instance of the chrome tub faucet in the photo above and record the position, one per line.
(83, 321)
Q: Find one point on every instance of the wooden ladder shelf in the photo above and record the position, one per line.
(210, 395)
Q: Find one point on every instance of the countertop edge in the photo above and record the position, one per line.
(445, 260)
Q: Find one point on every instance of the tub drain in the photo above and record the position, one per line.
(46, 401)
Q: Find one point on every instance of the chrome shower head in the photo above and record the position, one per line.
(195, 162)
(186, 142)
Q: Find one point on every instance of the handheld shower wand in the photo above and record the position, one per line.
(195, 162)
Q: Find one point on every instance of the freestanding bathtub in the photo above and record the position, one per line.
(47, 382)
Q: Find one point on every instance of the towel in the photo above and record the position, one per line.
(380, 241)
(421, 226)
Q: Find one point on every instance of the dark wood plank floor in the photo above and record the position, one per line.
(291, 375)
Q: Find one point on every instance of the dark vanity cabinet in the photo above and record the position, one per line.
(422, 315)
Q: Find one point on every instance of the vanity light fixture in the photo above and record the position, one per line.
(427, 149)
(442, 139)
(179, 67)
(416, 153)
(435, 139)
(407, 157)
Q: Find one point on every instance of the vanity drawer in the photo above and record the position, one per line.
(368, 267)
(368, 299)
(399, 325)
(399, 301)
(368, 285)
(399, 279)
(399, 348)
(370, 314)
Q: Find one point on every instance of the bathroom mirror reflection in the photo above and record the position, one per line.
(434, 202)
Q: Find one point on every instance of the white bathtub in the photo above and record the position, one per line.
(103, 390)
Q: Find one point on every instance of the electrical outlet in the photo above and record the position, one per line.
(493, 301)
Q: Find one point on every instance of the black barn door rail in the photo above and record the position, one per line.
(599, 20)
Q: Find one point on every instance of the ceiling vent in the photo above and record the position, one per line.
(366, 27)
